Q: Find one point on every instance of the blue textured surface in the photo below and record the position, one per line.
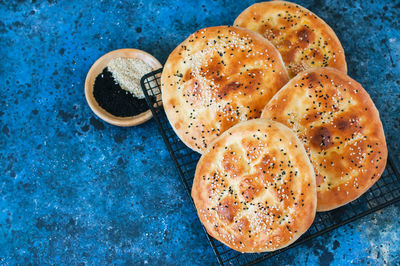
(76, 190)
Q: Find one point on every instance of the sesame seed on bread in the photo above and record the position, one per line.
(341, 130)
(254, 187)
(303, 39)
(216, 78)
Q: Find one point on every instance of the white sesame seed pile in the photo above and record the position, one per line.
(127, 72)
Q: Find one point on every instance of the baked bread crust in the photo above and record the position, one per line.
(216, 78)
(303, 39)
(254, 187)
(340, 128)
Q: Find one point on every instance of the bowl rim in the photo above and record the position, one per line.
(98, 67)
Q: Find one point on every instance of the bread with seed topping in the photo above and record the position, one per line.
(341, 130)
(254, 187)
(216, 78)
(303, 39)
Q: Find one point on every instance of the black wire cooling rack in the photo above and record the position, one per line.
(384, 193)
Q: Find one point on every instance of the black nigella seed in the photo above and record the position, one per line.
(112, 98)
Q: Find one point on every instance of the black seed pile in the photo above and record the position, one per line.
(112, 98)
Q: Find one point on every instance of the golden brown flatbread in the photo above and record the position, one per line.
(340, 128)
(216, 78)
(254, 187)
(303, 39)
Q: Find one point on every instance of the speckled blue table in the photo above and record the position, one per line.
(75, 190)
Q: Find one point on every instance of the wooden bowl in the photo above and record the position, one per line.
(98, 67)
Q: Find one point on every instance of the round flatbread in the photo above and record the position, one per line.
(216, 78)
(254, 187)
(303, 39)
(340, 128)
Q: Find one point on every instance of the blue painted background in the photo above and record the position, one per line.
(75, 190)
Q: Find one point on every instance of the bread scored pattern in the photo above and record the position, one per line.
(254, 187)
(303, 39)
(340, 127)
(216, 78)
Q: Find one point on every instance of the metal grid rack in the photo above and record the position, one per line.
(384, 193)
